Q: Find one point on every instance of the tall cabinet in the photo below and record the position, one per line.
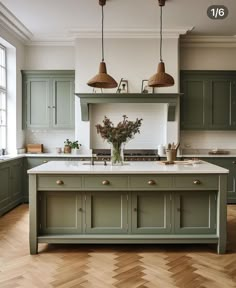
(208, 101)
(48, 99)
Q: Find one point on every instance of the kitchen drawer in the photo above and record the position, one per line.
(150, 181)
(197, 182)
(60, 182)
(36, 161)
(105, 182)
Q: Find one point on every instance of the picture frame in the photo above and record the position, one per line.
(145, 88)
(123, 86)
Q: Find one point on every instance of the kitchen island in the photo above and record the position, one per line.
(139, 202)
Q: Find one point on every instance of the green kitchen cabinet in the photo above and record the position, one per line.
(11, 194)
(48, 99)
(230, 164)
(195, 213)
(106, 212)
(62, 212)
(151, 212)
(208, 101)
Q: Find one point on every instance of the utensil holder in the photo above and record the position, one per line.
(171, 155)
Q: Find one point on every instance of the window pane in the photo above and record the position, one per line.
(2, 57)
(2, 77)
(3, 117)
(3, 137)
(2, 100)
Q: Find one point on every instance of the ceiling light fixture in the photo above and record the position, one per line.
(102, 79)
(161, 79)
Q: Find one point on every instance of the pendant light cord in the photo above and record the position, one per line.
(102, 36)
(161, 34)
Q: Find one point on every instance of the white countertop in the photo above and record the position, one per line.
(143, 167)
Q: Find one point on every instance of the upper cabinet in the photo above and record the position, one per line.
(208, 101)
(48, 99)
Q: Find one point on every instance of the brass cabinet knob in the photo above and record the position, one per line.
(45, 161)
(105, 182)
(135, 209)
(196, 182)
(59, 182)
(233, 162)
(151, 182)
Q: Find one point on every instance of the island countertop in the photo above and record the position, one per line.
(142, 167)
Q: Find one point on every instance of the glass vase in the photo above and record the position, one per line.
(117, 153)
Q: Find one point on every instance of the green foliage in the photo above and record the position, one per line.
(72, 144)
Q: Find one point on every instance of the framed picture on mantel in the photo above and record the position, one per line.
(145, 88)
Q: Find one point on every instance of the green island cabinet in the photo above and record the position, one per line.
(106, 208)
(48, 99)
(11, 192)
(208, 101)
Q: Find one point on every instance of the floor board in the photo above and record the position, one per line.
(111, 266)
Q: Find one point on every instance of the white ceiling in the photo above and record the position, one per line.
(61, 19)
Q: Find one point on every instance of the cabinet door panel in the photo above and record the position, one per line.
(106, 212)
(150, 212)
(63, 103)
(195, 212)
(16, 182)
(61, 212)
(5, 188)
(38, 103)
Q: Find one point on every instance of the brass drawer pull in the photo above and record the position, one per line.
(196, 182)
(45, 161)
(233, 162)
(59, 182)
(105, 182)
(151, 182)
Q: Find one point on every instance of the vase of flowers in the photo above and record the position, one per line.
(118, 135)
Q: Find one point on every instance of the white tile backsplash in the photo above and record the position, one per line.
(208, 139)
(49, 138)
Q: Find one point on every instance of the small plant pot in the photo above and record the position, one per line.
(67, 149)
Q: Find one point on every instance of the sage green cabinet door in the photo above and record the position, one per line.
(63, 103)
(220, 102)
(16, 182)
(38, 103)
(5, 188)
(193, 103)
(151, 212)
(106, 212)
(62, 212)
(195, 212)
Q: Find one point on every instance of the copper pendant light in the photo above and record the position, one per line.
(102, 79)
(161, 79)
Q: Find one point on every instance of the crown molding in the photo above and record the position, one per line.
(12, 24)
(208, 41)
(129, 33)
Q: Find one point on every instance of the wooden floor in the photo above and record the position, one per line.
(107, 266)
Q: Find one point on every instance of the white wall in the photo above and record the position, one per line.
(49, 58)
(15, 63)
(208, 58)
(132, 59)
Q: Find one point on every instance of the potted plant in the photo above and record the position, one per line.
(67, 146)
(75, 147)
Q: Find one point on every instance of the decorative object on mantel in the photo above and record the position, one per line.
(102, 79)
(161, 79)
(118, 136)
(123, 86)
(97, 90)
(145, 88)
(71, 146)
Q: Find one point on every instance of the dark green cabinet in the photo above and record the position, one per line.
(48, 99)
(230, 164)
(195, 213)
(11, 193)
(208, 101)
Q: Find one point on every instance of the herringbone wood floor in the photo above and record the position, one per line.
(111, 266)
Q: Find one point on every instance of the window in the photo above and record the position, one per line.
(3, 98)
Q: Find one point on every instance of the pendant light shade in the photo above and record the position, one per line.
(161, 79)
(102, 79)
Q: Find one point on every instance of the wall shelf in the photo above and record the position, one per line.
(86, 99)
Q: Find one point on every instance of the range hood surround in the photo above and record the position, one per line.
(172, 99)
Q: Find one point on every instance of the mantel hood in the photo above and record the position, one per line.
(86, 99)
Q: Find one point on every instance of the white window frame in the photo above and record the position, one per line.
(3, 90)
